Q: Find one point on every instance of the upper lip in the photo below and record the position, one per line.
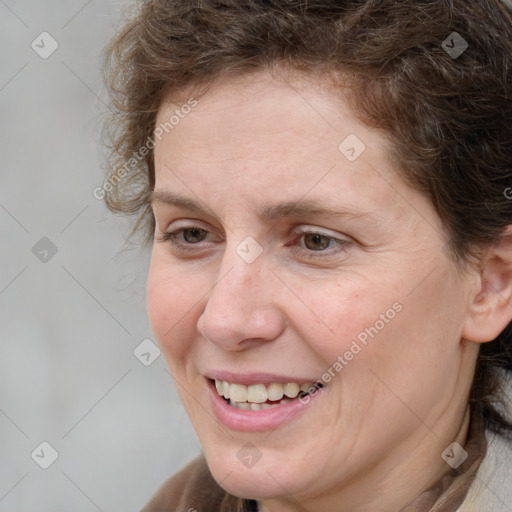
(255, 378)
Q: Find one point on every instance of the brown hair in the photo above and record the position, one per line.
(448, 116)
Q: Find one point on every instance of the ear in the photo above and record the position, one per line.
(491, 307)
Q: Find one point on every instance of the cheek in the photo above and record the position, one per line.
(172, 298)
(398, 348)
(346, 317)
(364, 332)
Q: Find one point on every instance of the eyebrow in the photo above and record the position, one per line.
(266, 212)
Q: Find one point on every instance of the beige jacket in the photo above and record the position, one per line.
(492, 488)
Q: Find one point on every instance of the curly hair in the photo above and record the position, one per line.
(447, 115)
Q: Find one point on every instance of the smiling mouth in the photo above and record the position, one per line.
(258, 397)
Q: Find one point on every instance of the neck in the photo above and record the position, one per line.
(410, 470)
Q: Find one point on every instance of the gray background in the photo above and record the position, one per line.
(70, 321)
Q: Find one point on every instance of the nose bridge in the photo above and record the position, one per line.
(239, 281)
(239, 306)
(243, 264)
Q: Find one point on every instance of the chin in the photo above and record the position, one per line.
(257, 482)
(251, 484)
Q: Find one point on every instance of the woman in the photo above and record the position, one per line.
(325, 187)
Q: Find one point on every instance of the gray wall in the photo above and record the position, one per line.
(71, 321)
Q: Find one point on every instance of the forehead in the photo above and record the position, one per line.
(264, 138)
(261, 111)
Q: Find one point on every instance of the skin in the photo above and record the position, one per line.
(373, 440)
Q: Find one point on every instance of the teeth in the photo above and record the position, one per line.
(275, 391)
(246, 406)
(253, 397)
(291, 390)
(238, 392)
(303, 387)
(257, 393)
(225, 391)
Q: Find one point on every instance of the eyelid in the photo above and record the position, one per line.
(187, 223)
(305, 230)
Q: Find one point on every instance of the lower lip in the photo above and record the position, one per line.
(257, 421)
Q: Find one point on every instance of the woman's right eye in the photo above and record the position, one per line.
(192, 235)
(183, 237)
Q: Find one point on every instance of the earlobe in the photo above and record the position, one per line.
(491, 307)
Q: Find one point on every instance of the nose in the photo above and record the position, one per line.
(241, 310)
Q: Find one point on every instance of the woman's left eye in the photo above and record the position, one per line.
(316, 241)
(313, 243)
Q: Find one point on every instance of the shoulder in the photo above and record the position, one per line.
(191, 488)
(492, 488)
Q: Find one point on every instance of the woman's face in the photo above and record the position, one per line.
(298, 255)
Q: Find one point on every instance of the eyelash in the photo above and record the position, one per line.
(171, 237)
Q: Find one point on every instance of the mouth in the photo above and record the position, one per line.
(263, 396)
